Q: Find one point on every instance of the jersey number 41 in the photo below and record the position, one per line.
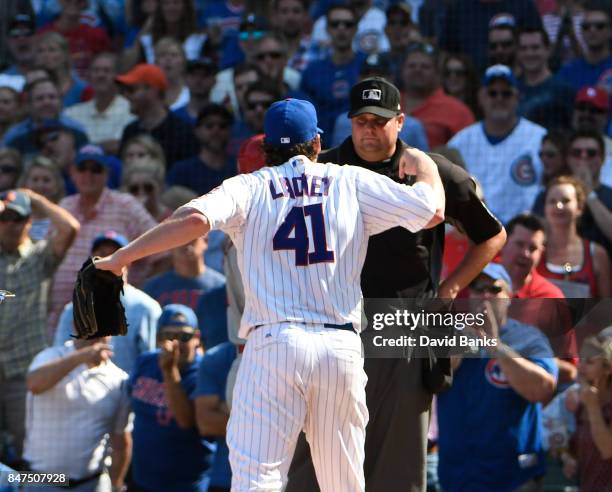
(295, 223)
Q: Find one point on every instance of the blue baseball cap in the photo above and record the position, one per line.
(290, 122)
(496, 72)
(177, 315)
(112, 236)
(17, 201)
(93, 153)
(497, 272)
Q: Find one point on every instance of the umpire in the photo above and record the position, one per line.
(400, 264)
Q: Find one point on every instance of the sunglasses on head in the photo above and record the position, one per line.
(493, 45)
(8, 169)
(335, 24)
(246, 35)
(274, 55)
(259, 104)
(578, 152)
(12, 217)
(90, 167)
(598, 26)
(136, 188)
(589, 108)
(505, 94)
(182, 336)
(482, 287)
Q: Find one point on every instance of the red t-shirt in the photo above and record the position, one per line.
(442, 116)
(84, 41)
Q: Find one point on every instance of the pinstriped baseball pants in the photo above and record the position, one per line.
(296, 377)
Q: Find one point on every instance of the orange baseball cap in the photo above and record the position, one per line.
(144, 73)
(251, 156)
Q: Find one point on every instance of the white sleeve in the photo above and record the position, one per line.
(227, 206)
(385, 204)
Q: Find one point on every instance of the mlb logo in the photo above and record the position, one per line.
(285, 140)
(371, 94)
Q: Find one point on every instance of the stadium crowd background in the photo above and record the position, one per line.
(516, 91)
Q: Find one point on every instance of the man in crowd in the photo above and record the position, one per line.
(45, 106)
(98, 209)
(145, 86)
(207, 170)
(77, 406)
(543, 98)
(20, 43)
(502, 41)
(168, 451)
(540, 302)
(291, 20)
(199, 79)
(501, 150)
(594, 67)
(141, 312)
(108, 113)
(400, 264)
(400, 31)
(327, 81)
(26, 270)
(423, 97)
(509, 382)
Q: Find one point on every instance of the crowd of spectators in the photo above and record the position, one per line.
(113, 113)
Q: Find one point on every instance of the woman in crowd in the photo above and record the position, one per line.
(591, 458)
(53, 54)
(581, 268)
(141, 148)
(145, 180)
(552, 154)
(10, 168)
(459, 80)
(170, 57)
(174, 19)
(45, 178)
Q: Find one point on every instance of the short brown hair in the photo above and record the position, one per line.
(570, 180)
(276, 156)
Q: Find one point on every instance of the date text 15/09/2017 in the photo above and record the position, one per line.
(35, 478)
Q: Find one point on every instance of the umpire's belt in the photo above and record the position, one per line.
(345, 326)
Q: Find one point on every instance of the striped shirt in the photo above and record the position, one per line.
(119, 212)
(27, 274)
(301, 231)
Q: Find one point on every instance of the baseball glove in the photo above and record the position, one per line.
(97, 307)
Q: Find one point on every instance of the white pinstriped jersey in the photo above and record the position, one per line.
(301, 233)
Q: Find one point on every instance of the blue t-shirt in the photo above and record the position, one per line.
(166, 458)
(212, 379)
(549, 104)
(183, 114)
(328, 86)
(220, 14)
(194, 174)
(485, 426)
(212, 317)
(170, 288)
(579, 73)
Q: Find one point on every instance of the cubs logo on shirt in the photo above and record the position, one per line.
(495, 375)
(523, 171)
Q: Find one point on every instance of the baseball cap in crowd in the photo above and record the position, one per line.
(497, 272)
(204, 63)
(401, 8)
(375, 65)
(503, 19)
(111, 237)
(290, 122)
(251, 156)
(144, 73)
(49, 130)
(17, 201)
(22, 25)
(177, 316)
(375, 95)
(595, 96)
(92, 153)
(496, 72)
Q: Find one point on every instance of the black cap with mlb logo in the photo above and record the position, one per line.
(375, 95)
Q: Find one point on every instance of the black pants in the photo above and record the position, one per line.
(396, 435)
